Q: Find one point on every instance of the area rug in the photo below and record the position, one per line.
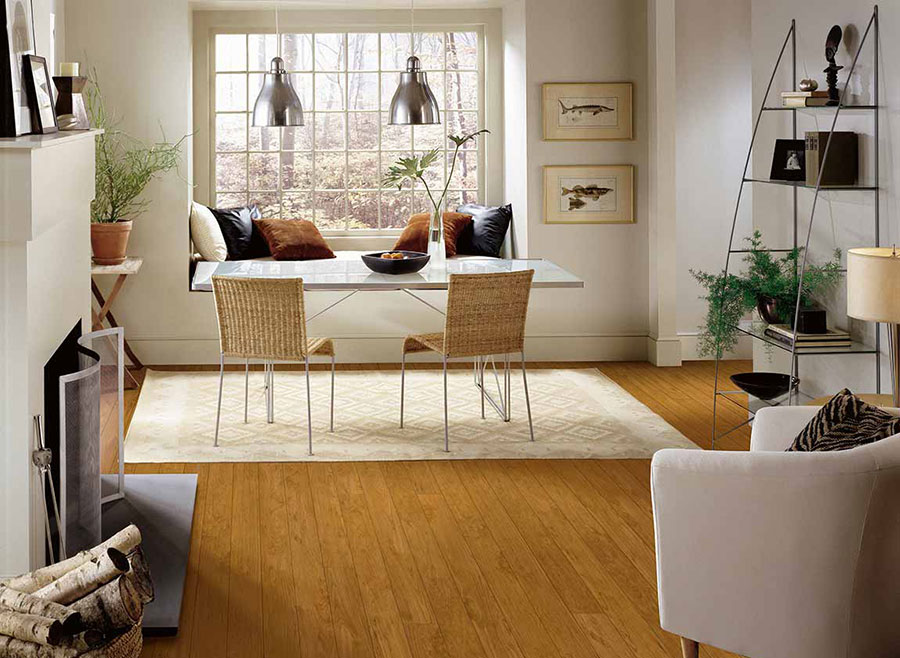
(578, 414)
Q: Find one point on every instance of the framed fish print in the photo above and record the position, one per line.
(587, 111)
(589, 194)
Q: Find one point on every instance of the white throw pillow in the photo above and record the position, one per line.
(207, 235)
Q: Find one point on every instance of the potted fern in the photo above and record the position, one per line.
(413, 169)
(124, 168)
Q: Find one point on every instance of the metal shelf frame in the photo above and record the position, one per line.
(872, 28)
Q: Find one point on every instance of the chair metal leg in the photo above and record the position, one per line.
(527, 401)
(331, 419)
(446, 416)
(402, 385)
(480, 365)
(308, 407)
(507, 381)
(272, 392)
(246, 386)
(219, 404)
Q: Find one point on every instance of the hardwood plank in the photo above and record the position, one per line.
(245, 608)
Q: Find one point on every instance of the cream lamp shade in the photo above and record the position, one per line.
(873, 284)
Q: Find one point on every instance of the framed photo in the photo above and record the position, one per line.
(586, 111)
(789, 160)
(591, 194)
(16, 41)
(40, 95)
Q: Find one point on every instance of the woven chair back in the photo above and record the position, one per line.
(261, 318)
(486, 313)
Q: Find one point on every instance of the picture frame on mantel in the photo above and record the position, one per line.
(40, 95)
(16, 41)
(589, 194)
(587, 111)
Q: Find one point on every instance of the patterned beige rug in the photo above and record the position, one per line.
(577, 414)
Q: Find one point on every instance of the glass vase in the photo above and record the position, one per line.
(436, 248)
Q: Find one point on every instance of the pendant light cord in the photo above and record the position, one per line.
(412, 26)
(277, 32)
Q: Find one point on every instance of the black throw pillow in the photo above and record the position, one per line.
(242, 238)
(845, 422)
(485, 235)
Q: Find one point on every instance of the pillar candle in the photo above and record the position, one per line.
(69, 69)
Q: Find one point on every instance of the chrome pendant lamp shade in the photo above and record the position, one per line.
(414, 102)
(277, 103)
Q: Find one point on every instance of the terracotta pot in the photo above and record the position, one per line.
(109, 242)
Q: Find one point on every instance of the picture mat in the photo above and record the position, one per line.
(20, 41)
(556, 207)
(616, 125)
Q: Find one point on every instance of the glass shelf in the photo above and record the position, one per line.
(819, 108)
(824, 188)
(757, 330)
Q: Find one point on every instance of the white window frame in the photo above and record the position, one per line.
(207, 24)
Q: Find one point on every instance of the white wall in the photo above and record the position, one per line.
(843, 219)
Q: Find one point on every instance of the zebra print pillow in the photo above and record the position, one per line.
(845, 422)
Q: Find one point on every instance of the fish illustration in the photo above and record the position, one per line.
(592, 191)
(593, 109)
(576, 202)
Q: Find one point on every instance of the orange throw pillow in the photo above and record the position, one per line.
(293, 239)
(415, 235)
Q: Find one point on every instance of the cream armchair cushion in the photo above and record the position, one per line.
(772, 554)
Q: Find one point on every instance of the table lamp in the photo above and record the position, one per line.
(873, 295)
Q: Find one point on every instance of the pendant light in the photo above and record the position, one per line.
(413, 102)
(277, 103)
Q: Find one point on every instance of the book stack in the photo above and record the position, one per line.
(831, 339)
(804, 98)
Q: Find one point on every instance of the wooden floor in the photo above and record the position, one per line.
(526, 559)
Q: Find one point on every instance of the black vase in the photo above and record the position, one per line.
(767, 307)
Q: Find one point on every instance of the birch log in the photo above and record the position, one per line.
(139, 575)
(10, 647)
(31, 628)
(86, 641)
(125, 541)
(32, 605)
(86, 578)
(114, 606)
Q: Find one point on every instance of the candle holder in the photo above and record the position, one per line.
(70, 109)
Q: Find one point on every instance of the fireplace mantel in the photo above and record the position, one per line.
(46, 188)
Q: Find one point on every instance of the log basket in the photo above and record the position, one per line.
(127, 645)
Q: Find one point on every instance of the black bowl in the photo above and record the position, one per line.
(763, 385)
(413, 262)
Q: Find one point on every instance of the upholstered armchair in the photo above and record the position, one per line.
(772, 554)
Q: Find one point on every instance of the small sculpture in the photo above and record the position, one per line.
(831, 45)
(808, 84)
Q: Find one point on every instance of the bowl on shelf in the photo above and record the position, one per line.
(763, 385)
(407, 262)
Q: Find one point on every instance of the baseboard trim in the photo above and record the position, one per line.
(689, 351)
(664, 352)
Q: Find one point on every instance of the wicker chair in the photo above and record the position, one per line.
(264, 318)
(485, 318)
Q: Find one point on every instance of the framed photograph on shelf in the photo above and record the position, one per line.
(589, 194)
(789, 160)
(587, 111)
(40, 95)
(16, 41)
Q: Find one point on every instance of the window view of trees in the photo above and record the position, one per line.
(329, 170)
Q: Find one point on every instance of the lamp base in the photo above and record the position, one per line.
(894, 340)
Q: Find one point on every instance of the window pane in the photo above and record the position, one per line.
(329, 91)
(329, 131)
(363, 91)
(434, 175)
(268, 204)
(297, 206)
(296, 50)
(465, 175)
(436, 83)
(264, 139)
(362, 172)
(395, 209)
(330, 52)
(302, 84)
(462, 50)
(230, 200)
(231, 172)
(363, 130)
(363, 52)
(231, 132)
(428, 137)
(429, 48)
(464, 123)
(462, 91)
(330, 171)
(421, 204)
(363, 209)
(231, 92)
(389, 82)
(231, 52)
(263, 171)
(330, 210)
(261, 48)
(389, 158)
(394, 51)
(394, 137)
(296, 171)
(456, 198)
(298, 138)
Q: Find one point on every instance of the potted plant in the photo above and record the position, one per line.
(412, 169)
(124, 168)
(768, 285)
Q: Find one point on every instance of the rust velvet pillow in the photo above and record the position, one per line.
(415, 235)
(293, 239)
